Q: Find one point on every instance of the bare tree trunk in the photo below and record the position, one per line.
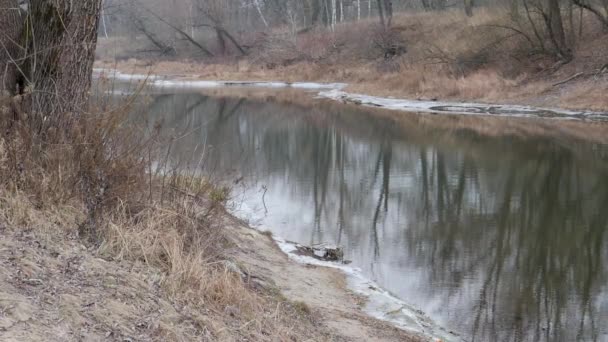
(10, 32)
(221, 42)
(259, 9)
(555, 26)
(233, 40)
(103, 21)
(315, 11)
(388, 11)
(572, 27)
(539, 37)
(385, 12)
(327, 17)
(426, 5)
(163, 48)
(333, 14)
(182, 33)
(468, 7)
(64, 37)
(381, 13)
(438, 4)
(514, 9)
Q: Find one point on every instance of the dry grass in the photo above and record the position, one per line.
(449, 56)
(90, 178)
(589, 94)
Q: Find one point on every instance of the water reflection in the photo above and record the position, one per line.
(501, 239)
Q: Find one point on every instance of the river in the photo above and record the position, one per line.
(499, 237)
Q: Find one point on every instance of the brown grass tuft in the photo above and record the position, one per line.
(91, 176)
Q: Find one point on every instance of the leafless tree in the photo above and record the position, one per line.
(468, 7)
(11, 25)
(385, 12)
(61, 49)
(213, 16)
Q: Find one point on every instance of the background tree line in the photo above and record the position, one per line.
(58, 62)
(274, 31)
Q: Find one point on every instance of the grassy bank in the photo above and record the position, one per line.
(99, 245)
(84, 192)
(447, 56)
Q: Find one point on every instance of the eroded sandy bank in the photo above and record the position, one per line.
(54, 288)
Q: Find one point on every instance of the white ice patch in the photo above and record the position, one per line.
(462, 108)
(381, 304)
(117, 75)
(171, 82)
(213, 84)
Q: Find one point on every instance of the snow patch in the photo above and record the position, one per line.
(462, 108)
(169, 82)
(117, 75)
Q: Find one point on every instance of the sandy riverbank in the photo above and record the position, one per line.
(55, 288)
(95, 247)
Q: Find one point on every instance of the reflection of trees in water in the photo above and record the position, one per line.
(384, 156)
(519, 225)
(537, 247)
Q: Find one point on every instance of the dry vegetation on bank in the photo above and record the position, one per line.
(86, 183)
(449, 56)
(99, 246)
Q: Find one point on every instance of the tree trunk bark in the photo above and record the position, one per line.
(514, 9)
(556, 29)
(557, 24)
(221, 42)
(438, 4)
(381, 13)
(262, 17)
(426, 5)
(333, 14)
(64, 36)
(468, 7)
(388, 11)
(11, 26)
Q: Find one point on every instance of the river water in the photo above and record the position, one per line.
(496, 237)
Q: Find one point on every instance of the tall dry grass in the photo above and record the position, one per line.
(92, 175)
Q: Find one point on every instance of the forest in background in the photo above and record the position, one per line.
(104, 239)
(507, 51)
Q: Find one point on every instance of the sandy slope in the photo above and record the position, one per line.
(53, 288)
(322, 289)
